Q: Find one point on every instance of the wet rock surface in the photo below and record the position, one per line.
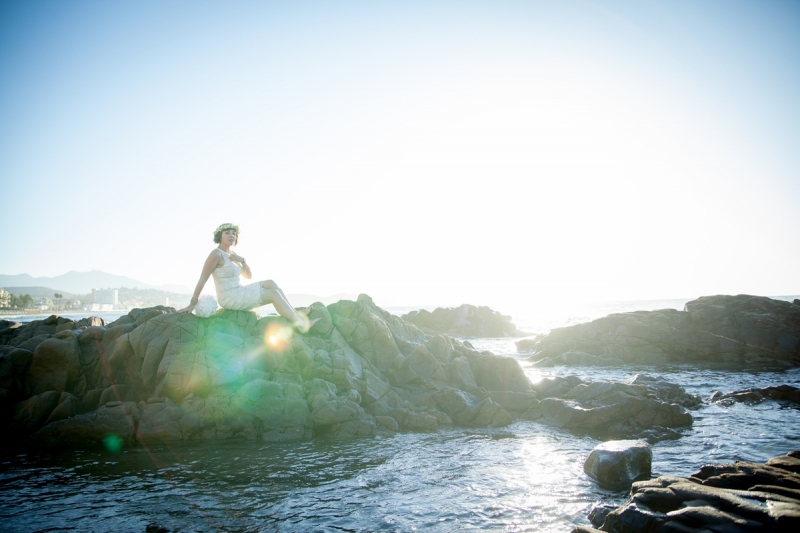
(736, 497)
(613, 410)
(465, 320)
(615, 465)
(785, 393)
(749, 331)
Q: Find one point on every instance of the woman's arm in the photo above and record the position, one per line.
(246, 274)
(212, 262)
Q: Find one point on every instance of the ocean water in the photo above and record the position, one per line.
(525, 477)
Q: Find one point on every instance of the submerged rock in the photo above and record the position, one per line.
(616, 464)
(742, 330)
(786, 393)
(465, 320)
(742, 496)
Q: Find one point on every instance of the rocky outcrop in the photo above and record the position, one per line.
(786, 393)
(155, 374)
(744, 331)
(360, 370)
(613, 410)
(465, 320)
(616, 464)
(742, 496)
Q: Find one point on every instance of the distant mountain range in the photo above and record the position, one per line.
(83, 282)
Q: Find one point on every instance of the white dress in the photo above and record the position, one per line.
(231, 294)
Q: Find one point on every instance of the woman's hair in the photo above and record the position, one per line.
(224, 227)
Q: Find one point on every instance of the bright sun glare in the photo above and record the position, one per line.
(278, 336)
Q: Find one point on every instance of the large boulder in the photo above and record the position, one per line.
(162, 376)
(117, 420)
(55, 367)
(665, 391)
(14, 364)
(616, 464)
(31, 414)
(280, 410)
(465, 320)
(334, 414)
(610, 410)
(29, 335)
(373, 333)
(466, 409)
(738, 331)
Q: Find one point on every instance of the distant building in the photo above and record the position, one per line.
(105, 297)
(43, 304)
(5, 298)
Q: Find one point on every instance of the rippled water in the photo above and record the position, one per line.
(526, 477)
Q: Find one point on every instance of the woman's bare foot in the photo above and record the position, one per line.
(304, 324)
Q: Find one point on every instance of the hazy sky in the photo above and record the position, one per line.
(421, 152)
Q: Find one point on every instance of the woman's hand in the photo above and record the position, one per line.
(188, 309)
(246, 274)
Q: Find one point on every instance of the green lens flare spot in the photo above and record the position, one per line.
(112, 443)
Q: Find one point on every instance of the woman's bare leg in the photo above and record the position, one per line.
(274, 295)
(269, 284)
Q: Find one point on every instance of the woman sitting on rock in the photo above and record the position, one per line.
(226, 267)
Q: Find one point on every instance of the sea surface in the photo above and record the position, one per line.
(525, 477)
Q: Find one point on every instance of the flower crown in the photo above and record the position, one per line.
(224, 227)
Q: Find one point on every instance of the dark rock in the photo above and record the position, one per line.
(599, 512)
(610, 410)
(8, 330)
(666, 391)
(466, 320)
(28, 336)
(91, 321)
(529, 344)
(14, 364)
(786, 393)
(158, 376)
(30, 415)
(616, 464)
(90, 428)
(735, 497)
(786, 462)
(738, 331)
(68, 406)
(496, 373)
(55, 367)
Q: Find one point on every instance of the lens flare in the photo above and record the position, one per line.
(112, 443)
(278, 336)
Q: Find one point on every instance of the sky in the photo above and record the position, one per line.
(420, 152)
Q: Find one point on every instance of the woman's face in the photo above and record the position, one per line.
(228, 237)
